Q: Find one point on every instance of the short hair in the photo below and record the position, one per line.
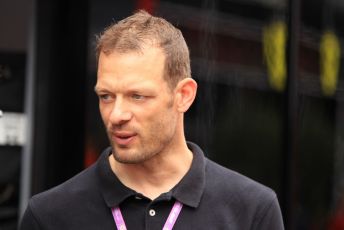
(140, 30)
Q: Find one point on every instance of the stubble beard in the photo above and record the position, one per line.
(144, 149)
(160, 137)
(127, 155)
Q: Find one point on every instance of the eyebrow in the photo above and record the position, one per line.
(97, 89)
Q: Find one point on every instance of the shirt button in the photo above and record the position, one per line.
(152, 212)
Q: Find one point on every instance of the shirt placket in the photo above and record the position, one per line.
(156, 214)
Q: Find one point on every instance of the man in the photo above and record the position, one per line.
(150, 178)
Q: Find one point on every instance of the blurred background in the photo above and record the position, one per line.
(270, 103)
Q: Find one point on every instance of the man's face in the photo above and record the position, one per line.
(136, 104)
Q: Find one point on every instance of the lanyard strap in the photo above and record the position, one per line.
(171, 220)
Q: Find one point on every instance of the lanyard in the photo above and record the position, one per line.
(172, 217)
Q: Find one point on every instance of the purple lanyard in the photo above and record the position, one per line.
(172, 217)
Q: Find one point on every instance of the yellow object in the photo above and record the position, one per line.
(274, 47)
(329, 62)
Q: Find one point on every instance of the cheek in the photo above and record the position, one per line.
(155, 114)
(165, 119)
(105, 112)
(143, 113)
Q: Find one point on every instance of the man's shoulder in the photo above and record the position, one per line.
(232, 185)
(68, 205)
(244, 201)
(73, 191)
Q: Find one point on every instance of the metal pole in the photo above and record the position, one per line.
(26, 158)
(291, 123)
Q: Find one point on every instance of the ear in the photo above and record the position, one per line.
(185, 94)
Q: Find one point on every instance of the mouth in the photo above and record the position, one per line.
(123, 138)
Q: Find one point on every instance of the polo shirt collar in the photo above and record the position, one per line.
(188, 191)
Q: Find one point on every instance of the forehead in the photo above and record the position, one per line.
(132, 67)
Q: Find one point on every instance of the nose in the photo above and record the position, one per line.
(120, 113)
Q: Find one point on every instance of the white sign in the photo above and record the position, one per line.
(12, 129)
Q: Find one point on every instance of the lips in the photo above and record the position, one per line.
(123, 138)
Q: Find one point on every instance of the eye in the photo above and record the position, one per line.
(104, 97)
(137, 96)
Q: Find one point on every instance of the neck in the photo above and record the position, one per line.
(157, 175)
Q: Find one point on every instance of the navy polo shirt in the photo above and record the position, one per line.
(213, 197)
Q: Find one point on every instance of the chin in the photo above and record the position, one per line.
(130, 157)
